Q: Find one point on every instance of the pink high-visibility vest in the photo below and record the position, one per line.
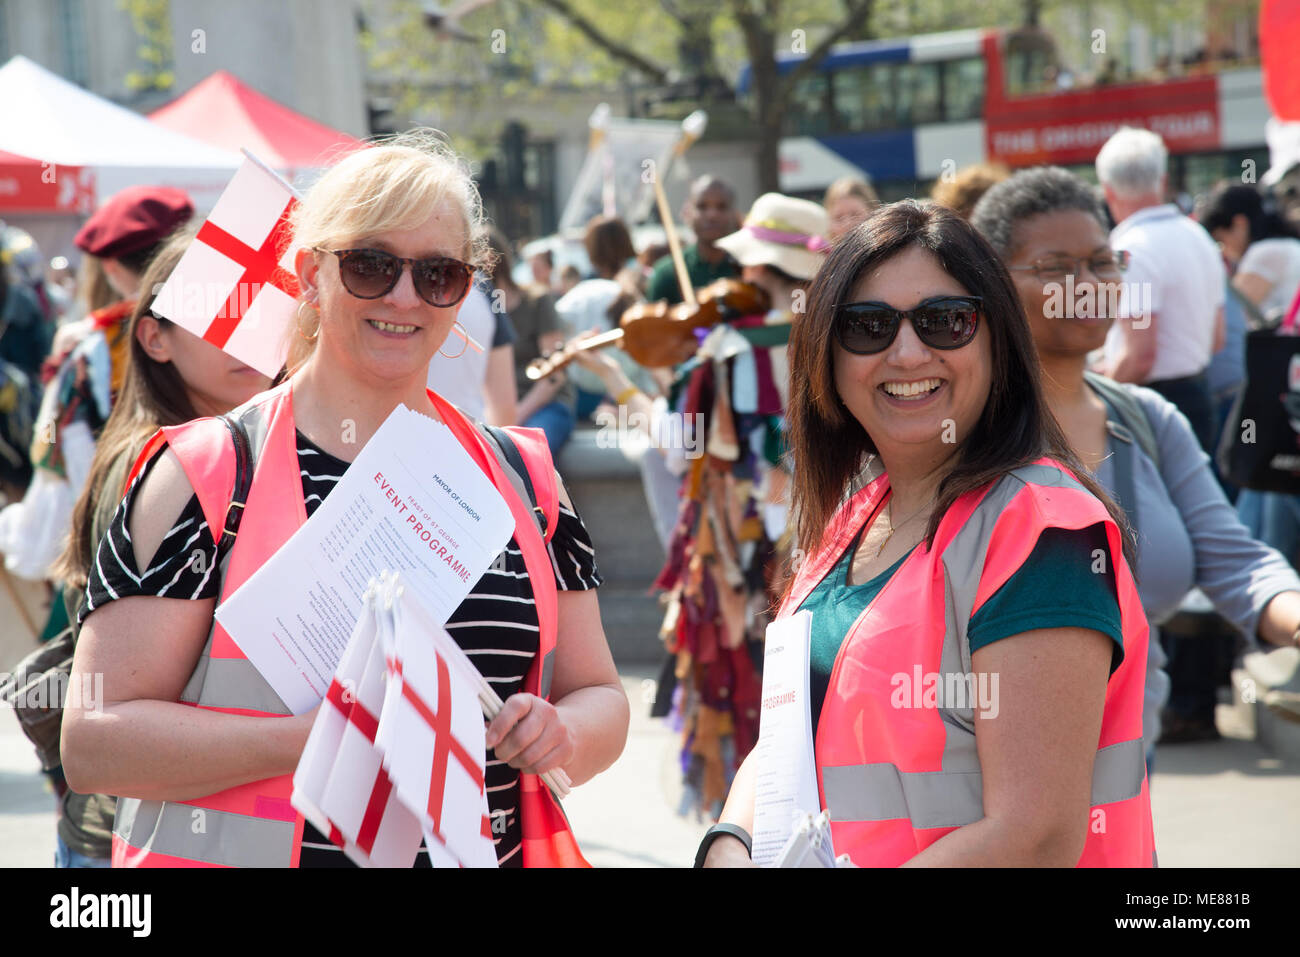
(896, 765)
(254, 825)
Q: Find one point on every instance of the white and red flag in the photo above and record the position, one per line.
(340, 785)
(235, 286)
(432, 735)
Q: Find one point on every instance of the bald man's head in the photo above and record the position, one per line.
(710, 209)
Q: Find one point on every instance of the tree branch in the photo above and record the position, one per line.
(856, 14)
(611, 46)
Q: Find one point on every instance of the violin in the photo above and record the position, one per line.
(656, 334)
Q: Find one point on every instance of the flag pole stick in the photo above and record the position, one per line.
(270, 172)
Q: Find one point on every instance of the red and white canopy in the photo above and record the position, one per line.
(225, 112)
(98, 146)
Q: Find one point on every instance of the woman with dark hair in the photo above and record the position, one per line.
(172, 376)
(586, 307)
(1262, 250)
(1262, 246)
(1047, 224)
(976, 644)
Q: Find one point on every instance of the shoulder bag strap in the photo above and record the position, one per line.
(545, 512)
(243, 482)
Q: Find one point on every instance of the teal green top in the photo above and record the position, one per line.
(663, 278)
(1055, 588)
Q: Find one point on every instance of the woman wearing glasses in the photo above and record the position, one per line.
(1050, 230)
(976, 643)
(190, 735)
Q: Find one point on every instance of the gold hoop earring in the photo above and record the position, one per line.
(457, 329)
(304, 335)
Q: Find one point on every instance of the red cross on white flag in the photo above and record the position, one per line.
(339, 785)
(433, 736)
(235, 285)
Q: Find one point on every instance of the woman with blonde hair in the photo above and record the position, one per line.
(848, 201)
(387, 243)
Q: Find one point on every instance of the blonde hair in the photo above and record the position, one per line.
(395, 183)
(963, 192)
(853, 186)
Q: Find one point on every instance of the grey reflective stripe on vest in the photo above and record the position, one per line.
(202, 834)
(880, 792)
(953, 796)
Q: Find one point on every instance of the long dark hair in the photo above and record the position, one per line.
(1015, 428)
(1260, 210)
(153, 395)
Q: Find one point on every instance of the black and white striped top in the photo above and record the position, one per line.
(496, 624)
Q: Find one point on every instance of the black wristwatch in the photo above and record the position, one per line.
(715, 832)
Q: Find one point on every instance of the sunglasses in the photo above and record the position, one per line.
(372, 273)
(942, 322)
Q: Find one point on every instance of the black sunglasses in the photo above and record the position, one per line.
(941, 322)
(372, 273)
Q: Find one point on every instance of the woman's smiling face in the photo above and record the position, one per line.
(910, 394)
(396, 335)
(1065, 318)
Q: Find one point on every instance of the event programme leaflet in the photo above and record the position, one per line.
(413, 501)
(785, 785)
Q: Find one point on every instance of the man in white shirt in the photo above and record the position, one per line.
(1171, 309)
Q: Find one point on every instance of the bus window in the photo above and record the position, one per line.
(963, 89)
(918, 94)
(810, 111)
(864, 97)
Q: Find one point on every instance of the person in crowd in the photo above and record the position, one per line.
(123, 235)
(961, 191)
(1048, 225)
(585, 307)
(1262, 245)
(541, 266)
(172, 376)
(27, 319)
(646, 260)
(723, 550)
(1171, 318)
(548, 403)
(1262, 248)
(569, 277)
(25, 339)
(972, 553)
(848, 201)
(177, 734)
(710, 213)
(480, 382)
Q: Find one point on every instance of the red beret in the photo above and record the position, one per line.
(136, 218)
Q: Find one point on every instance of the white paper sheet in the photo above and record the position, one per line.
(413, 501)
(786, 781)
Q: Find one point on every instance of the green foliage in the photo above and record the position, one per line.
(153, 25)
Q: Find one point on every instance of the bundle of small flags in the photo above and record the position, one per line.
(398, 749)
(809, 844)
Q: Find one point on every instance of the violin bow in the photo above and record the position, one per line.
(692, 129)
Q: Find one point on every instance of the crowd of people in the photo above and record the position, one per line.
(1037, 372)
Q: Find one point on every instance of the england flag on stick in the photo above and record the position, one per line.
(432, 734)
(235, 286)
(340, 785)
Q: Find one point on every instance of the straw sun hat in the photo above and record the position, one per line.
(784, 232)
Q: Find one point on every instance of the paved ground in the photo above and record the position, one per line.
(1226, 803)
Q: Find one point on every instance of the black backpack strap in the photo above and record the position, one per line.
(516, 462)
(243, 482)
